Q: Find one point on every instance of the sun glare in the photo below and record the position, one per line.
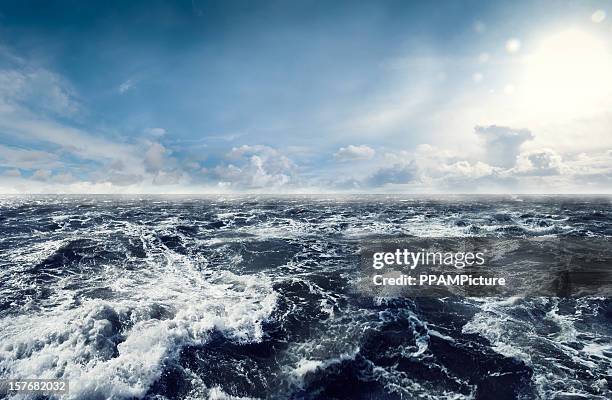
(568, 75)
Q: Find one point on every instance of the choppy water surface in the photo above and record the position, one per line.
(251, 297)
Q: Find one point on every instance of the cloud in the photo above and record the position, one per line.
(171, 177)
(227, 137)
(155, 158)
(125, 86)
(81, 144)
(354, 153)
(396, 174)
(158, 163)
(466, 170)
(37, 105)
(539, 162)
(41, 174)
(502, 144)
(42, 91)
(13, 157)
(255, 167)
(155, 131)
(425, 169)
(50, 150)
(122, 179)
(64, 178)
(39, 108)
(12, 173)
(45, 175)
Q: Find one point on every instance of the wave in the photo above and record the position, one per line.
(118, 347)
(251, 297)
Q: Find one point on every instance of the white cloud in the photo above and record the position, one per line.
(257, 167)
(25, 124)
(31, 98)
(465, 169)
(354, 153)
(43, 91)
(428, 168)
(125, 86)
(163, 167)
(155, 131)
(539, 162)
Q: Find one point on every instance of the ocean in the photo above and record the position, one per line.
(240, 297)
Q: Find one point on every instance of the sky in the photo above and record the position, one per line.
(305, 97)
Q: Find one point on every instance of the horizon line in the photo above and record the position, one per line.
(308, 194)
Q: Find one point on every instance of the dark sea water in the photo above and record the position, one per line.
(252, 297)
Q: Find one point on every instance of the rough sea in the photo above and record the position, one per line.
(252, 297)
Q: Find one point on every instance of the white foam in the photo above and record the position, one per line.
(567, 331)
(498, 329)
(515, 338)
(305, 367)
(153, 313)
(216, 393)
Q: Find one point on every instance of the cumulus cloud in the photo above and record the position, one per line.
(163, 167)
(118, 174)
(353, 153)
(465, 169)
(430, 169)
(427, 168)
(55, 154)
(539, 162)
(592, 171)
(255, 167)
(502, 144)
(31, 100)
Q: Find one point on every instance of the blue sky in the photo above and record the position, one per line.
(305, 96)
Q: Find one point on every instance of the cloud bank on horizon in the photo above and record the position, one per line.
(306, 97)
